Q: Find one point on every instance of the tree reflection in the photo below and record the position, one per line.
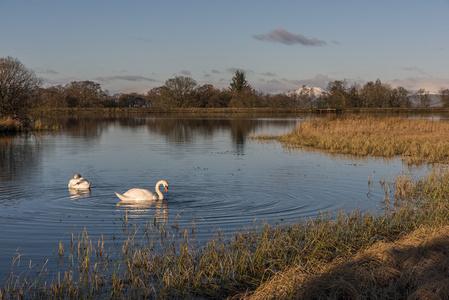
(185, 129)
(17, 156)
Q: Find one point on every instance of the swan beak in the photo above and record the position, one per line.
(166, 189)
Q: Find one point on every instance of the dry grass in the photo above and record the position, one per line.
(12, 126)
(414, 267)
(9, 125)
(414, 140)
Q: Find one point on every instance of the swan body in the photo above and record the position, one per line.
(143, 194)
(79, 183)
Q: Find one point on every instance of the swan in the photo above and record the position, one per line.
(78, 182)
(142, 194)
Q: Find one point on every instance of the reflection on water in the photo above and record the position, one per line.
(146, 207)
(77, 193)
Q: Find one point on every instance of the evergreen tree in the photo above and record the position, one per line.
(239, 83)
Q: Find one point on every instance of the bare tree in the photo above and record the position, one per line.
(444, 97)
(422, 98)
(177, 92)
(132, 100)
(83, 94)
(19, 86)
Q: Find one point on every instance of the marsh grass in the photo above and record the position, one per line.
(415, 140)
(12, 126)
(159, 261)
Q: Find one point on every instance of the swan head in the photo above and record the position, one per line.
(77, 176)
(164, 183)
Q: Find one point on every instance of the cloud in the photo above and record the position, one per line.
(140, 39)
(45, 71)
(270, 74)
(281, 35)
(133, 78)
(233, 70)
(61, 81)
(415, 69)
(186, 73)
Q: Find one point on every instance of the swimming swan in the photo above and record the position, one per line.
(78, 182)
(142, 194)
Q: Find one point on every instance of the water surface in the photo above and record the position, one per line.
(218, 179)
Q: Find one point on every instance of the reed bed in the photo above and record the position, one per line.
(11, 126)
(159, 262)
(416, 140)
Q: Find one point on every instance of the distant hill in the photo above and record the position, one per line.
(316, 91)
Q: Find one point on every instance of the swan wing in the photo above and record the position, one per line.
(137, 194)
(79, 183)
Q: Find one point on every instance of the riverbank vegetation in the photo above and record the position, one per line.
(415, 140)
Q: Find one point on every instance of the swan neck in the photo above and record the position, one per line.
(158, 192)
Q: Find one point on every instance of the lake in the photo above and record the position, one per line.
(218, 179)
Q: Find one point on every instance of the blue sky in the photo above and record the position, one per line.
(136, 45)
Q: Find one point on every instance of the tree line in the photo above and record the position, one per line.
(21, 90)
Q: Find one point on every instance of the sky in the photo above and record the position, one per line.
(135, 45)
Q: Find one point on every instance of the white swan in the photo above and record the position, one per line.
(79, 183)
(142, 194)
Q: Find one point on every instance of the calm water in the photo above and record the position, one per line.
(217, 177)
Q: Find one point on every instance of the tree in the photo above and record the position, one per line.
(239, 83)
(338, 94)
(243, 94)
(83, 94)
(444, 97)
(19, 86)
(283, 100)
(422, 98)
(375, 94)
(132, 100)
(399, 97)
(177, 92)
(53, 97)
(208, 96)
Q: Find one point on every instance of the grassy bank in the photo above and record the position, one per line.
(415, 140)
